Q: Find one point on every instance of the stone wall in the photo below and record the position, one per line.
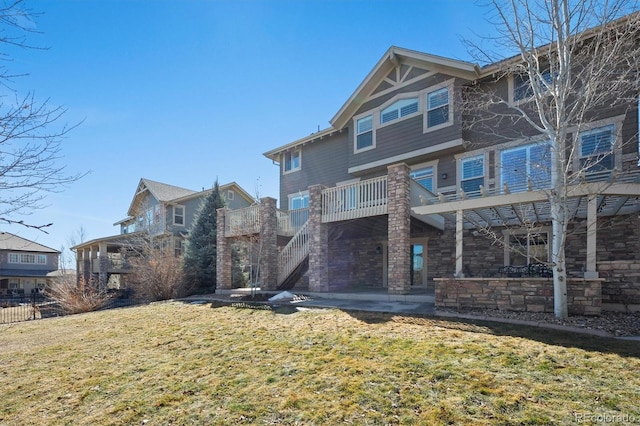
(517, 294)
(621, 285)
(355, 263)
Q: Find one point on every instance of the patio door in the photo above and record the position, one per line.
(418, 262)
(417, 259)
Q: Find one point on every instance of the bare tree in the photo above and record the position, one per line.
(574, 62)
(30, 133)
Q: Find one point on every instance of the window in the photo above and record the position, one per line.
(178, 215)
(424, 177)
(230, 195)
(438, 107)
(398, 110)
(177, 248)
(292, 161)
(522, 89)
(14, 284)
(596, 150)
(524, 164)
(299, 201)
(472, 173)
(364, 133)
(28, 258)
(527, 248)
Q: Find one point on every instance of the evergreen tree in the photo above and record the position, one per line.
(200, 254)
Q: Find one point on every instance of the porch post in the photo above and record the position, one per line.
(399, 228)
(268, 244)
(318, 242)
(103, 265)
(459, 239)
(223, 253)
(86, 264)
(592, 225)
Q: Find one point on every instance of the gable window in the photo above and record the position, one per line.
(472, 173)
(178, 215)
(230, 195)
(364, 133)
(596, 150)
(522, 88)
(424, 177)
(292, 161)
(398, 110)
(438, 107)
(526, 164)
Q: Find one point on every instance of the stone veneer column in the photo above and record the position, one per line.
(223, 253)
(399, 232)
(268, 244)
(318, 242)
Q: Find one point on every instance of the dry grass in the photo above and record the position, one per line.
(175, 364)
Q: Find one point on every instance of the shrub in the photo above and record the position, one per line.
(157, 274)
(77, 296)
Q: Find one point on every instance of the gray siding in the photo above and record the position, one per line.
(51, 265)
(324, 162)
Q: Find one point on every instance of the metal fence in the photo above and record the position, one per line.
(36, 306)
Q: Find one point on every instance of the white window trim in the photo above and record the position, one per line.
(375, 124)
(40, 257)
(230, 195)
(399, 97)
(424, 95)
(434, 165)
(184, 214)
(296, 195)
(13, 261)
(510, 146)
(511, 86)
(284, 161)
(471, 154)
(616, 150)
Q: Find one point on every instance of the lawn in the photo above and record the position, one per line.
(175, 363)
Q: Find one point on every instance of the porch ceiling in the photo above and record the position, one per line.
(484, 209)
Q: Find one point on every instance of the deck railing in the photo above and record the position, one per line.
(290, 221)
(242, 221)
(355, 200)
(293, 253)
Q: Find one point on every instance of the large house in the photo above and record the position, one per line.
(159, 211)
(24, 265)
(397, 195)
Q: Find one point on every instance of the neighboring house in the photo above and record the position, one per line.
(24, 265)
(393, 193)
(164, 213)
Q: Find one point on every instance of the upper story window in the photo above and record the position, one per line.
(178, 215)
(424, 177)
(364, 133)
(526, 164)
(596, 149)
(398, 110)
(472, 173)
(292, 161)
(522, 89)
(40, 259)
(437, 107)
(230, 195)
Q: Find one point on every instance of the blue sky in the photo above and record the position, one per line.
(185, 91)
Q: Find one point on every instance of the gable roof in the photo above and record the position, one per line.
(160, 191)
(393, 58)
(232, 185)
(13, 242)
